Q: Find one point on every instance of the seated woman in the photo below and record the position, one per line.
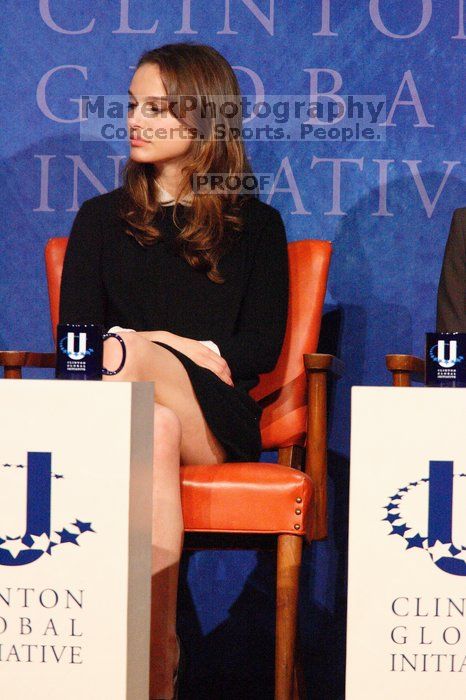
(197, 282)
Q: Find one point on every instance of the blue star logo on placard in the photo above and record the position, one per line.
(406, 516)
(39, 538)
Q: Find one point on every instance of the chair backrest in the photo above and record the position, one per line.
(282, 392)
(55, 250)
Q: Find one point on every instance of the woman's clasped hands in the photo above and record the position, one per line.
(195, 350)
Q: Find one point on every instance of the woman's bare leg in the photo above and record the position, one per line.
(180, 434)
(167, 542)
(147, 361)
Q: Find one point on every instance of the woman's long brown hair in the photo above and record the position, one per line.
(211, 220)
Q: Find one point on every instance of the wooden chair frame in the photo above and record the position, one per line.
(404, 368)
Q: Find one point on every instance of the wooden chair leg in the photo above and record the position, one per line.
(299, 679)
(289, 551)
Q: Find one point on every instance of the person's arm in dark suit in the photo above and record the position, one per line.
(451, 297)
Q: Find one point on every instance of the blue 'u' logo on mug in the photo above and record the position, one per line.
(69, 348)
(80, 351)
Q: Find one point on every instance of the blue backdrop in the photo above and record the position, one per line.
(386, 205)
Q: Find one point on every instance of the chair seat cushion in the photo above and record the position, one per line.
(245, 497)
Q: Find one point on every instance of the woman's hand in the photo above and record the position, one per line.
(199, 353)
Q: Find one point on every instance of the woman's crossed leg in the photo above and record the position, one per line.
(181, 435)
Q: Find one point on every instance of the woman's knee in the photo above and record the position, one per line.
(167, 427)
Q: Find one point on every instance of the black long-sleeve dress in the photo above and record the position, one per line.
(111, 279)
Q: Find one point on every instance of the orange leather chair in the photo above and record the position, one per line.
(243, 505)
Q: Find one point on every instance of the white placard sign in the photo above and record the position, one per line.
(407, 545)
(75, 539)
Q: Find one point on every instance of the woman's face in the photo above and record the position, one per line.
(156, 136)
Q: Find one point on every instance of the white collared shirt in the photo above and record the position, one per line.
(166, 199)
